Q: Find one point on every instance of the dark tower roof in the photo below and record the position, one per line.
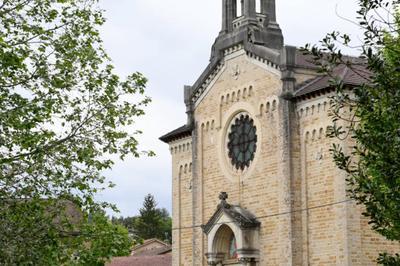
(248, 28)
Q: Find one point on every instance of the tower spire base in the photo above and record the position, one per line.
(251, 27)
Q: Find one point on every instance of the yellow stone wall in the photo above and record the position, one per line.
(323, 188)
(182, 231)
(334, 228)
(295, 188)
(255, 90)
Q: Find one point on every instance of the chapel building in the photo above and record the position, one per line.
(254, 182)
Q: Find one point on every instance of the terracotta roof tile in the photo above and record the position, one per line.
(354, 76)
(153, 251)
(160, 260)
(303, 60)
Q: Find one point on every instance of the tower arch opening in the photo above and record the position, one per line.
(258, 6)
(239, 8)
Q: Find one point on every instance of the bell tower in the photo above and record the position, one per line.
(241, 23)
(229, 12)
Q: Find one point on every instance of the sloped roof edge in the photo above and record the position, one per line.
(179, 133)
(351, 77)
(268, 54)
(241, 217)
(149, 241)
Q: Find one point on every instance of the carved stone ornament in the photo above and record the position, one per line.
(223, 196)
(232, 220)
(247, 261)
(236, 72)
(250, 35)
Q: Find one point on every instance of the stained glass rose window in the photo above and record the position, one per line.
(242, 142)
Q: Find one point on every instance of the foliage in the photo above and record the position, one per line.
(369, 115)
(166, 226)
(127, 222)
(151, 223)
(19, 236)
(63, 114)
(101, 240)
(72, 237)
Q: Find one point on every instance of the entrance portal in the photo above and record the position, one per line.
(232, 235)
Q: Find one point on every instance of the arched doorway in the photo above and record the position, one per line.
(225, 245)
(232, 236)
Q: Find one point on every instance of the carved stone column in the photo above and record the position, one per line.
(250, 9)
(228, 15)
(247, 261)
(268, 8)
(215, 259)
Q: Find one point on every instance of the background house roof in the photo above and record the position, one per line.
(151, 247)
(160, 260)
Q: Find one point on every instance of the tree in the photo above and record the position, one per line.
(63, 114)
(100, 240)
(166, 225)
(71, 237)
(149, 221)
(152, 222)
(368, 116)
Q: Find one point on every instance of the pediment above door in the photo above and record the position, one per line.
(232, 235)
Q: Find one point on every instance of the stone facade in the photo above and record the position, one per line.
(292, 186)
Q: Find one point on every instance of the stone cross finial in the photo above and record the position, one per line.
(223, 196)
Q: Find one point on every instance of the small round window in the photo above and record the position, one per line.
(242, 142)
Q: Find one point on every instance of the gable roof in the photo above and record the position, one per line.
(241, 217)
(152, 240)
(278, 58)
(144, 250)
(264, 54)
(154, 251)
(354, 76)
(272, 57)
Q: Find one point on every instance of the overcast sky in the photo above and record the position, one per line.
(169, 41)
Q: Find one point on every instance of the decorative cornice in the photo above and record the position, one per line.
(206, 81)
(262, 60)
